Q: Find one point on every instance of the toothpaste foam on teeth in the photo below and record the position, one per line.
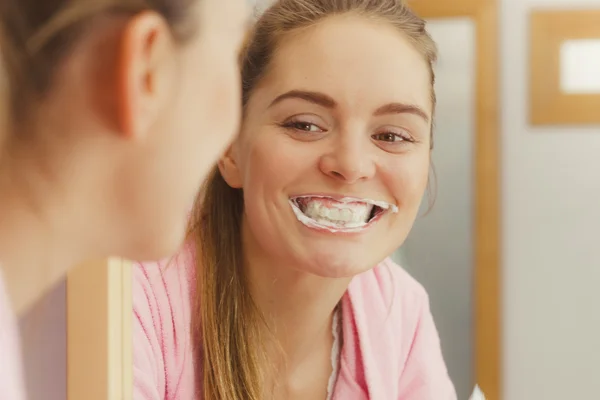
(347, 214)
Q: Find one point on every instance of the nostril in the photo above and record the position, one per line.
(337, 174)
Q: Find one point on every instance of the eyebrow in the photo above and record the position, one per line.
(317, 98)
(326, 101)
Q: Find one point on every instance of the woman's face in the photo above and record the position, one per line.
(334, 153)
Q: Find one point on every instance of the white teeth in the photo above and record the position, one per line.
(347, 214)
(338, 213)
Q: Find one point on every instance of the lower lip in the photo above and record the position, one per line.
(342, 231)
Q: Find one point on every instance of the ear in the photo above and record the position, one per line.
(145, 73)
(229, 168)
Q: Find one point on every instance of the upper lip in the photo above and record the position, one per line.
(340, 197)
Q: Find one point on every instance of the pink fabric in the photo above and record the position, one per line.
(391, 349)
(11, 380)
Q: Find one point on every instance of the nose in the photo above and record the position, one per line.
(349, 159)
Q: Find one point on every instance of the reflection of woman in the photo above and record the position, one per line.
(113, 115)
(323, 183)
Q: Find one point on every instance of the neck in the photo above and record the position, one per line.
(38, 242)
(297, 306)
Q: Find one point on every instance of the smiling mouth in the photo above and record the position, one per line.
(348, 214)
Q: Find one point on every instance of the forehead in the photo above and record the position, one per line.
(358, 62)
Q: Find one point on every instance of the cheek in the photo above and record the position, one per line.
(210, 87)
(226, 94)
(223, 98)
(407, 177)
(272, 161)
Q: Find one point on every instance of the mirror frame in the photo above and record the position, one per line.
(487, 235)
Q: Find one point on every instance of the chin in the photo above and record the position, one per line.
(328, 263)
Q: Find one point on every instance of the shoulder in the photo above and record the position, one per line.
(11, 382)
(387, 299)
(167, 282)
(388, 306)
(389, 285)
(162, 307)
(389, 323)
(163, 293)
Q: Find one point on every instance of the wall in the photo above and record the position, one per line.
(551, 222)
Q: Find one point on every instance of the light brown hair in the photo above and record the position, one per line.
(35, 36)
(226, 323)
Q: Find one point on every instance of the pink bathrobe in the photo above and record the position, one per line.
(11, 379)
(391, 349)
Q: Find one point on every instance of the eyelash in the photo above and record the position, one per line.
(402, 138)
(294, 125)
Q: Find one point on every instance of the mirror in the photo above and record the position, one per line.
(579, 66)
(439, 250)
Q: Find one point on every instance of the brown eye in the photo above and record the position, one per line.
(303, 126)
(388, 137)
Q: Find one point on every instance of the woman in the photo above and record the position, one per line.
(285, 291)
(113, 113)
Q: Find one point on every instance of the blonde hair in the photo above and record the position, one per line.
(36, 35)
(226, 323)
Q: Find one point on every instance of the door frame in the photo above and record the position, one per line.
(487, 275)
(99, 331)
